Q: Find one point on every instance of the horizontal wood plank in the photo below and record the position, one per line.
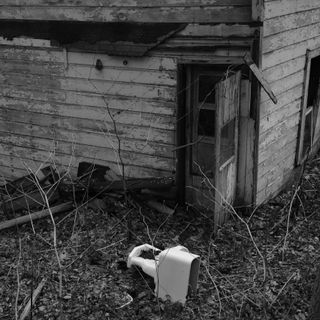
(61, 156)
(56, 55)
(167, 78)
(285, 69)
(91, 118)
(19, 166)
(170, 14)
(293, 94)
(269, 163)
(285, 7)
(134, 90)
(283, 85)
(283, 23)
(83, 102)
(279, 131)
(279, 115)
(124, 3)
(98, 139)
(287, 38)
(124, 131)
(220, 30)
(293, 51)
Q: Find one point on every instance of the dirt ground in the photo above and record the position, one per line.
(258, 267)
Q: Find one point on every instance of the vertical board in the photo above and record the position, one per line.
(227, 96)
(246, 147)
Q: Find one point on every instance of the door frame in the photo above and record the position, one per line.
(247, 197)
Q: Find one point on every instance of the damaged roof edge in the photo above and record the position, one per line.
(122, 38)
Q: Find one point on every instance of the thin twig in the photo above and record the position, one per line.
(32, 300)
(18, 282)
(236, 214)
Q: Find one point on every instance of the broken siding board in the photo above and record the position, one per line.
(284, 23)
(176, 14)
(285, 7)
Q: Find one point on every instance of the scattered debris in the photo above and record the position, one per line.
(93, 281)
(26, 193)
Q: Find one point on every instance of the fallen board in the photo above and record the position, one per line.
(36, 215)
(132, 184)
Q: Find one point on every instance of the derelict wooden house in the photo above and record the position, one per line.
(223, 94)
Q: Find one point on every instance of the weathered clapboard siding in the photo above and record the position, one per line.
(291, 21)
(201, 11)
(277, 8)
(53, 101)
(290, 28)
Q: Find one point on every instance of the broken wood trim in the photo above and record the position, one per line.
(36, 215)
(260, 77)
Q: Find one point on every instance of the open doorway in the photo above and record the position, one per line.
(211, 136)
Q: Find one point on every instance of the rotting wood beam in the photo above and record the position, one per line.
(36, 215)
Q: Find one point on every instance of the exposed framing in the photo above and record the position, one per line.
(310, 54)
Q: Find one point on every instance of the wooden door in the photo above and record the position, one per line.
(212, 137)
(227, 132)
